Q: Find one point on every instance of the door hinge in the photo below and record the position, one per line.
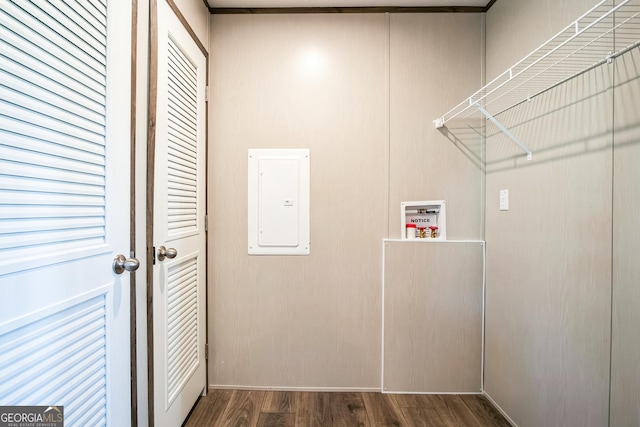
(206, 351)
(206, 223)
(206, 94)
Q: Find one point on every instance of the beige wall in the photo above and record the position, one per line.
(360, 91)
(436, 61)
(197, 15)
(549, 258)
(517, 27)
(433, 317)
(625, 380)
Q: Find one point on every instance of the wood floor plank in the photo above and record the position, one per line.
(413, 400)
(313, 410)
(427, 405)
(209, 409)
(348, 410)
(273, 419)
(406, 400)
(454, 412)
(243, 409)
(279, 401)
(199, 412)
(229, 408)
(422, 417)
(484, 410)
(383, 410)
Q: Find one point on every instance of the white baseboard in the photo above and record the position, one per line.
(284, 388)
(476, 393)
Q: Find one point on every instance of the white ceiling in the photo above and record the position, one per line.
(344, 3)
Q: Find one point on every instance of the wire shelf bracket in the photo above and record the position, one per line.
(504, 130)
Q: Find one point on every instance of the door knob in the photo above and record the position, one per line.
(166, 253)
(121, 263)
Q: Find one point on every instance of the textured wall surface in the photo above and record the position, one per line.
(435, 63)
(335, 84)
(432, 317)
(625, 380)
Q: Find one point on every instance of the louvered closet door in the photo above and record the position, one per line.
(64, 211)
(179, 283)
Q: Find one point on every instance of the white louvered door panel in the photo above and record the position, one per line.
(182, 324)
(182, 143)
(179, 283)
(64, 331)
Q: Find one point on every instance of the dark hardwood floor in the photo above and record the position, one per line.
(235, 408)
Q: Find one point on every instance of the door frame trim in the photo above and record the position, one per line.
(151, 150)
(133, 341)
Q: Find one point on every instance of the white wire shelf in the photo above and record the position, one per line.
(597, 37)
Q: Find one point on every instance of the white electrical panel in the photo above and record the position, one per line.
(278, 203)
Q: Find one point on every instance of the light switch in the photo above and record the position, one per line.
(504, 200)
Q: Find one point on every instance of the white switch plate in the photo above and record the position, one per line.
(504, 200)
